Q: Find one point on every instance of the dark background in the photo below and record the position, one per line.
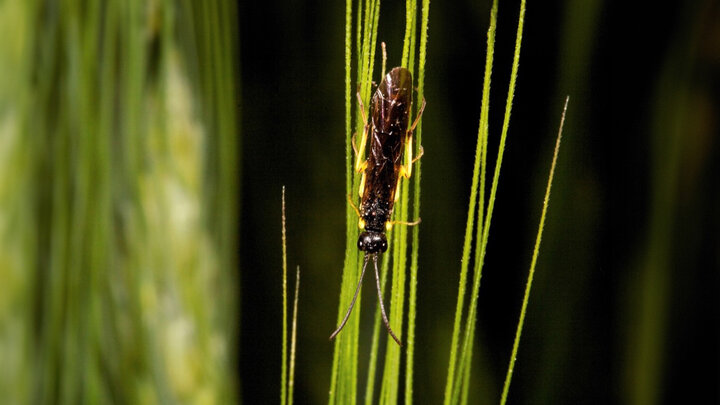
(624, 306)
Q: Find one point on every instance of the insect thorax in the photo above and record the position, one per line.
(375, 213)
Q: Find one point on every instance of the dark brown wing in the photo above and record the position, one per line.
(391, 102)
(390, 116)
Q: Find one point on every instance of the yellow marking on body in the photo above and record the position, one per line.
(361, 223)
(388, 226)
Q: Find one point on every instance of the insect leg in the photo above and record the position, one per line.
(406, 169)
(422, 152)
(389, 224)
(360, 164)
(362, 107)
(362, 181)
(361, 222)
(413, 223)
(352, 142)
(397, 184)
(417, 119)
(352, 204)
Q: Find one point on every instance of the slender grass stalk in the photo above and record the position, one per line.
(493, 189)
(293, 341)
(283, 367)
(372, 364)
(477, 172)
(349, 213)
(533, 262)
(480, 241)
(410, 351)
(410, 13)
(456, 387)
(287, 377)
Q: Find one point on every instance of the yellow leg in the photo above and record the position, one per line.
(362, 107)
(389, 224)
(397, 185)
(352, 204)
(417, 119)
(362, 183)
(422, 152)
(360, 164)
(352, 142)
(406, 169)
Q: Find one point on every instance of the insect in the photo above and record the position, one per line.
(390, 141)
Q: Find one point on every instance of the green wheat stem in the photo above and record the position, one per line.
(372, 47)
(338, 391)
(503, 136)
(456, 389)
(372, 365)
(293, 343)
(409, 20)
(283, 368)
(495, 181)
(366, 26)
(349, 213)
(533, 262)
(466, 356)
(397, 293)
(478, 171)
(410, 340)
(413, 39)
(358, 30)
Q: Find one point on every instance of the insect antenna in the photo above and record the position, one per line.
(352, 304)
(380, 299)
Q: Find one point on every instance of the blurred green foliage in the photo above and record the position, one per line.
(117, 199)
